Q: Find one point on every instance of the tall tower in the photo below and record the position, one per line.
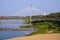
(30, 15)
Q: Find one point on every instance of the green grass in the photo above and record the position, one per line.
(44, 27)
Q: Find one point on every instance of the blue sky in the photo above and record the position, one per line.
(11, 7)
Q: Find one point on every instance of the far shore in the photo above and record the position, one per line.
(38, 37)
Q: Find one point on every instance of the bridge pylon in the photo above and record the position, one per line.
(30, 15)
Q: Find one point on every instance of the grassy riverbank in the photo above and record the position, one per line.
(45, 27)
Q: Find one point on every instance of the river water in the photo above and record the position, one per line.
(11, 24)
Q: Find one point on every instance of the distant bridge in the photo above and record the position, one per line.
(30, 8)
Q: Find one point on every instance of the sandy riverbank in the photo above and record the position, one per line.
(39, 37)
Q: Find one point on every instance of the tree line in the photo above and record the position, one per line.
(55, 15)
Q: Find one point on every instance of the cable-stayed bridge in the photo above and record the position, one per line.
(26, 12)
(29, 11)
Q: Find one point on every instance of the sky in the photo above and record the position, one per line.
(14, 7)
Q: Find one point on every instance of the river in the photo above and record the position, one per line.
(11, 24)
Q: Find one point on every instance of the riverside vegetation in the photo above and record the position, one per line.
(45, 26)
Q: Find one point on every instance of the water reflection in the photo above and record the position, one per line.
(11, 34)
(11, 23)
